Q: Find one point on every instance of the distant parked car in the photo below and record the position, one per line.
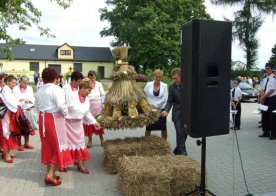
(248, 92)
(140, 78)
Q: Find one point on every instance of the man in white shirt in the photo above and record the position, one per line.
(268, 98)
(235, 97)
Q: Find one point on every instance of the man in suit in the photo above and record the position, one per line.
(174, 100)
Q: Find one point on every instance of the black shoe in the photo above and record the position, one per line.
(260, 122)
(175, 151)
(264, 135)
(260, 126)
(231, 127)
(272, 138)
(181, 153)
(184, 153)
(236, 128)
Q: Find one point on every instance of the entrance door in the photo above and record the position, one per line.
(101, 71)
(56, 67)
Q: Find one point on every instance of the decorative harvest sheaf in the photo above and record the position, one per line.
(126, 75)
(125, 105)
(124, 122)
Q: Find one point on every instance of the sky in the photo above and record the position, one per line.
(80, 25)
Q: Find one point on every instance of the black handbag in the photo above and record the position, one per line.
(3, 109)
(24, 123)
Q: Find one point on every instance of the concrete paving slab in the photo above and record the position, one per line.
(224, 174)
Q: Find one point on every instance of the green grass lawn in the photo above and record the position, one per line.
(141, 84)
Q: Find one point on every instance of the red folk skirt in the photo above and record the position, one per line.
(95, 109)
(76, 140)
(89, 130)
(50, 148)
(80, 154)
(12, 142)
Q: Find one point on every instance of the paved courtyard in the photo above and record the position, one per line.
(225, 177)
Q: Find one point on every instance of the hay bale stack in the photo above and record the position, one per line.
(143, 176)
(140, 146)
(168, 175)
(185, 173)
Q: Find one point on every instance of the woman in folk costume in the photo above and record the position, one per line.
(78, 107)
(68, 89)
(50, 103)
(25, 96)
(2, 78)
(8, 122)
(76, 78)
(96, 99)
(2, 83)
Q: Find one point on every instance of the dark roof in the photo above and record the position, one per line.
(49, 52)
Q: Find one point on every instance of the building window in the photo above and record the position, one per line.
(56, 67)
(65, 52)
(77, 67)
(34, 66)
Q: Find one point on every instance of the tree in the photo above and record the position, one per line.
(247, 22)
(273, 57)
(151, 28)
(23, 14)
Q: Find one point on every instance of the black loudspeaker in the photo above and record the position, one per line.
(205, 77)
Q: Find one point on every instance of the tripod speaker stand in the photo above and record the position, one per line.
(201, 189)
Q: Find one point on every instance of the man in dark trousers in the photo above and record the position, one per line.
(235, 97)
(268, 98)
(36, 76)
(174, 100)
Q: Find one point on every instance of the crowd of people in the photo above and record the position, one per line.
(71, 109)
(253, 81)
(266, 99)
(64, 114)
(60, 113)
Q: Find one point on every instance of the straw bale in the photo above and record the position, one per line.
(140, 146)
(143, 176)
(185, 172)
(136, 174)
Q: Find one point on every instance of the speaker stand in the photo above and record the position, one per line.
(201, 189)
